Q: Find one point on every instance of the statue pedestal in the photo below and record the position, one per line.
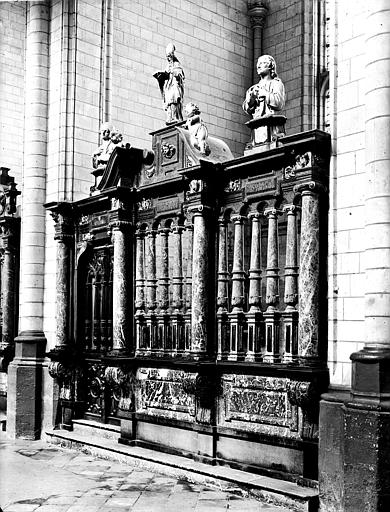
(266, 131)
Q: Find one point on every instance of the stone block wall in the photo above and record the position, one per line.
(12, 47)
(289, 36)
(347, 187)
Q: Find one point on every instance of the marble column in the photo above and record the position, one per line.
(121, 288)
(9, 266)
(237, 317)
(254, 316)
(151, 287)
(309, 264)
(64, 237)
(188, 287)
(257, 12)
(272, 315)
(200, 281)
(164, 338)
(222, 290)
(141, 342)
(290, 314)
(177, 290)
(25, 371)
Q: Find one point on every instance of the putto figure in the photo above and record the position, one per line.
(171, 83)
(197, 128)
(267, 97)
(111, 138)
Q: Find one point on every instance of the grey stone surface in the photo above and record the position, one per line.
(39, 477)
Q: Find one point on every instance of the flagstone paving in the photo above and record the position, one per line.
(35, 476)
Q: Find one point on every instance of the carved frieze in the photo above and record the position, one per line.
(261, 187)
(258, 400)
(164, 392)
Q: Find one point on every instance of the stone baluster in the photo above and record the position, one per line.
(164, 337)
(237, 317)
(151, 288)
(187, 316)
(122, 292)
(272, 315)
(223, 291)
(177, 291)
(290, 314)
(141, 341)
(254, 317)
(309, 263)
(200, 281)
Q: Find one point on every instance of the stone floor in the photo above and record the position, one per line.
(35, 476)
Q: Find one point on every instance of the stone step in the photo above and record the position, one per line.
(278, 492)
(96, 430)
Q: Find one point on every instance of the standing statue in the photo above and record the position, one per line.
(197, 128)
(267, 97)
(171, 83)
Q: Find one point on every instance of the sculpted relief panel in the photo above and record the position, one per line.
(258, 404)
(166, 393)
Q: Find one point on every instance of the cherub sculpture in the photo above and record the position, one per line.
(111, 138)
(197, 128)
(171, 83)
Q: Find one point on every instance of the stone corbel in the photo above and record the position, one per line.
(123, 380)
(63, 374)
(306, 396)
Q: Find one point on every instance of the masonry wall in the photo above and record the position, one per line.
(347, 187)
(12, 46)
(289, 35)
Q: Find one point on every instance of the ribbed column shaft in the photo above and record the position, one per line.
(377, 203)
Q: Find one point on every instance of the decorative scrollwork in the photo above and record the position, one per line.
(145, 204)
(168, 151)
(302, 393)
(233, 186)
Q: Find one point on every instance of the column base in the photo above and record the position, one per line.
(354, 467)
(24, 399)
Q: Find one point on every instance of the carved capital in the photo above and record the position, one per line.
(238, 219)
(257, 12)
(302, 393)
(291, 209)
(64, 228)
(120, 225)
(272, 212)
(310, 188)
